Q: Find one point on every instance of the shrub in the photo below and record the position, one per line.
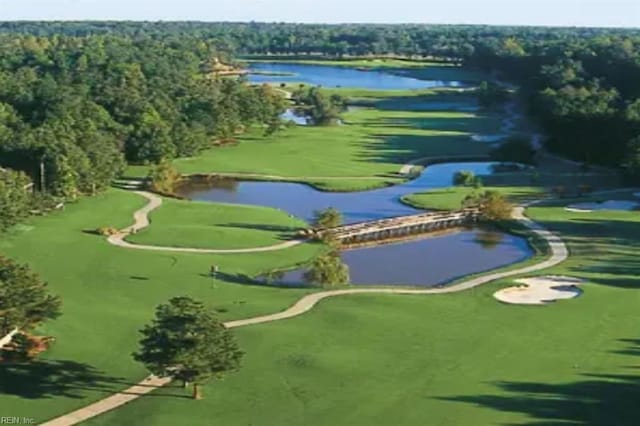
(163, 177)
(106, 231)
(327, 218)
(328, 270)
(464, 178)
(493, 205)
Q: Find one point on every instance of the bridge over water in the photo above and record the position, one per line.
(401, 226)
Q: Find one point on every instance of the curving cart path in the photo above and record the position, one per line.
(558, 253)
(141, 221)
(557, 249)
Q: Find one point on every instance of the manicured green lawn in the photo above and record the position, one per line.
(108, 293)
(373, 143)
(455, 359)
(181, 223)
(451, 198)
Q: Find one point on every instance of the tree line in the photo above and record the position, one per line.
(581, 84)
(74, 110)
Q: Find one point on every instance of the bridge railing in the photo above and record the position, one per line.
(399, 222)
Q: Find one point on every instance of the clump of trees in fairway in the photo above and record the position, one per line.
(24, 303)
(327, 218)
(466, 178)
(327, 270)
(187, 342)
(321, 109)
(493, 205)
(163, 178)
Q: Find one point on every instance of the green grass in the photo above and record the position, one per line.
(109, 293)
(373, 143)
(359, 360)
(451, 198)
(455, 359)
(225, 226)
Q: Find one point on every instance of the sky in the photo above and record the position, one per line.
(601, 13)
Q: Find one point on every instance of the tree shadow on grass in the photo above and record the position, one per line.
(43, 379)
(245, 279)
(400, 148)
(285, 233)
(598, 400)
(47, 379)
(477, 124)
(426, 103)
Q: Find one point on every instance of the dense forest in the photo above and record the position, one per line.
(580, 83)
(80, 99)
(74, 109)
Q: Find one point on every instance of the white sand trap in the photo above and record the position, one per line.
(487, 138)
(607, 205)
(540, 290)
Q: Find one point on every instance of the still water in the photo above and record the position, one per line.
(425, 262)
(302, 200)
(429, 261)
(329, 76)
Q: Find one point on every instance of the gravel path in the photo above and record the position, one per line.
(141, 221)
(557, 248)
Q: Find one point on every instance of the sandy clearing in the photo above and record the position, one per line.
(540, 290)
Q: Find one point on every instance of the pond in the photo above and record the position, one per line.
(427, 261)
(331, 76)
(302, 200)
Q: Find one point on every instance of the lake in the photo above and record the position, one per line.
(331, 76)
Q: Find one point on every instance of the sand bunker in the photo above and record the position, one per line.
(487, 138)
(607, 205)
(540, 290)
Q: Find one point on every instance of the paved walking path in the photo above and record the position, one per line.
(141, 221)
(557, 249)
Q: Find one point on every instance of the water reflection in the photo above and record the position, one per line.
(291, 114)
(331, 76)
(428, 261)
(488, 238)
(302, 200)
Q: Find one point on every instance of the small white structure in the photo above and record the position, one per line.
(606, 205)
(540, 290)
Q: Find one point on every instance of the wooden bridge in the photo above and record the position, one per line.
(401, 226)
